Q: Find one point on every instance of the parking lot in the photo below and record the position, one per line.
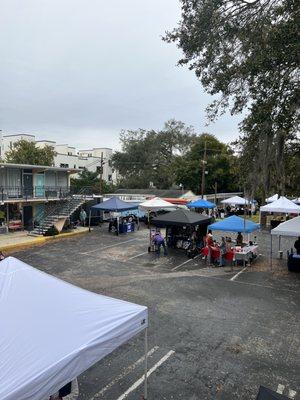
(212, 334)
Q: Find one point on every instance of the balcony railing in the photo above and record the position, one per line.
(34, 192)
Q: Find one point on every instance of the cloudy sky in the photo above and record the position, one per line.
(79, 71)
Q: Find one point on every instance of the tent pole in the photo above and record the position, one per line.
(90, 220)
(146, 366)
(271, 254)
(149, 229)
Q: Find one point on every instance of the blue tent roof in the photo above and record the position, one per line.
(201, 203)
(115, 204)
(234, 224)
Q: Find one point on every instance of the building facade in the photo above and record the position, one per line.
(26, 191)
(67, 156)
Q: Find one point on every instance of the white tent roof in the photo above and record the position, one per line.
(272, 198)
(282, 205)
(236, 200)
(52, 331)
(297, 200)
(155, 204)
(288, 228)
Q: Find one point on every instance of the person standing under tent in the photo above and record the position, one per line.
(209, 243)
(297, 245)
(159, 241)
(239, 239)
(222, 251)
(82, 216)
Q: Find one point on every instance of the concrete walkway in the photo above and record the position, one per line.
(17, 240)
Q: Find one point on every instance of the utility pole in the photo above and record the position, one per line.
(203, 171)
(216, 191)
(101, 172)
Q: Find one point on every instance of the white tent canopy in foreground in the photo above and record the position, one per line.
(288, 228)
(282, 205)
(155, 204)
(235, 200)
(52, 331)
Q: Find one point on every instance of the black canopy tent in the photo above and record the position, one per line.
(184, 229)
(181, 217)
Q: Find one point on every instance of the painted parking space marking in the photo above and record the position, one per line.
(239, 273)
(184, 263)
(151, 370)
(138, 255)
(127, 371)
(107, 247)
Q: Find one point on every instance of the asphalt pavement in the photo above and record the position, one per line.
(212, 334)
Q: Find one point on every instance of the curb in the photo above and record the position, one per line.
(39, 240)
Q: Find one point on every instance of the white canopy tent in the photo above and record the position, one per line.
(155, 204)
(272, 198)
(52, 331)
(235, 200)
(288, 228)
(282, 205)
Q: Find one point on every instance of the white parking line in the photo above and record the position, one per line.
(181, 265)
(127, 370)
(239, 273)
(138, 255)
(107, 247)
(141, 380)
(280, 388)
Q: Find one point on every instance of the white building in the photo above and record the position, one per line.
(67, 156)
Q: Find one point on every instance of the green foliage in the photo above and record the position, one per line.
(88, 179)
(26, 152)
(247, 52)
(173, 156)
(221, 166)
(148, 156)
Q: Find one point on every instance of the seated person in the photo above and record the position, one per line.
(239, 239)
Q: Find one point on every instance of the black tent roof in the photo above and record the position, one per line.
(181, 218)
(268, 394)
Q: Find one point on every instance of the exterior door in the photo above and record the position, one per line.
(27, 217)
(40, 185)
(28, 184)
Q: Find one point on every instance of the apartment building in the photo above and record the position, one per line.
(67, 156)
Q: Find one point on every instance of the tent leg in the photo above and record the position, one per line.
(271, 254)
(90, 220)
(146, 366)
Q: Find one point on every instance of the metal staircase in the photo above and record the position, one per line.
(63, 209)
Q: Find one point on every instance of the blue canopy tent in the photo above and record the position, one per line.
(234, 224)
(201, 203)
(114, 204)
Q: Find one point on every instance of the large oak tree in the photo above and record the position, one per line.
(246, 54)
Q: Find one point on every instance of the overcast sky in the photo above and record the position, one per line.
(79, 71)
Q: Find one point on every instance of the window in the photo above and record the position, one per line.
(64, 165)
(109, 178)
(70, 153)
(74, 166)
